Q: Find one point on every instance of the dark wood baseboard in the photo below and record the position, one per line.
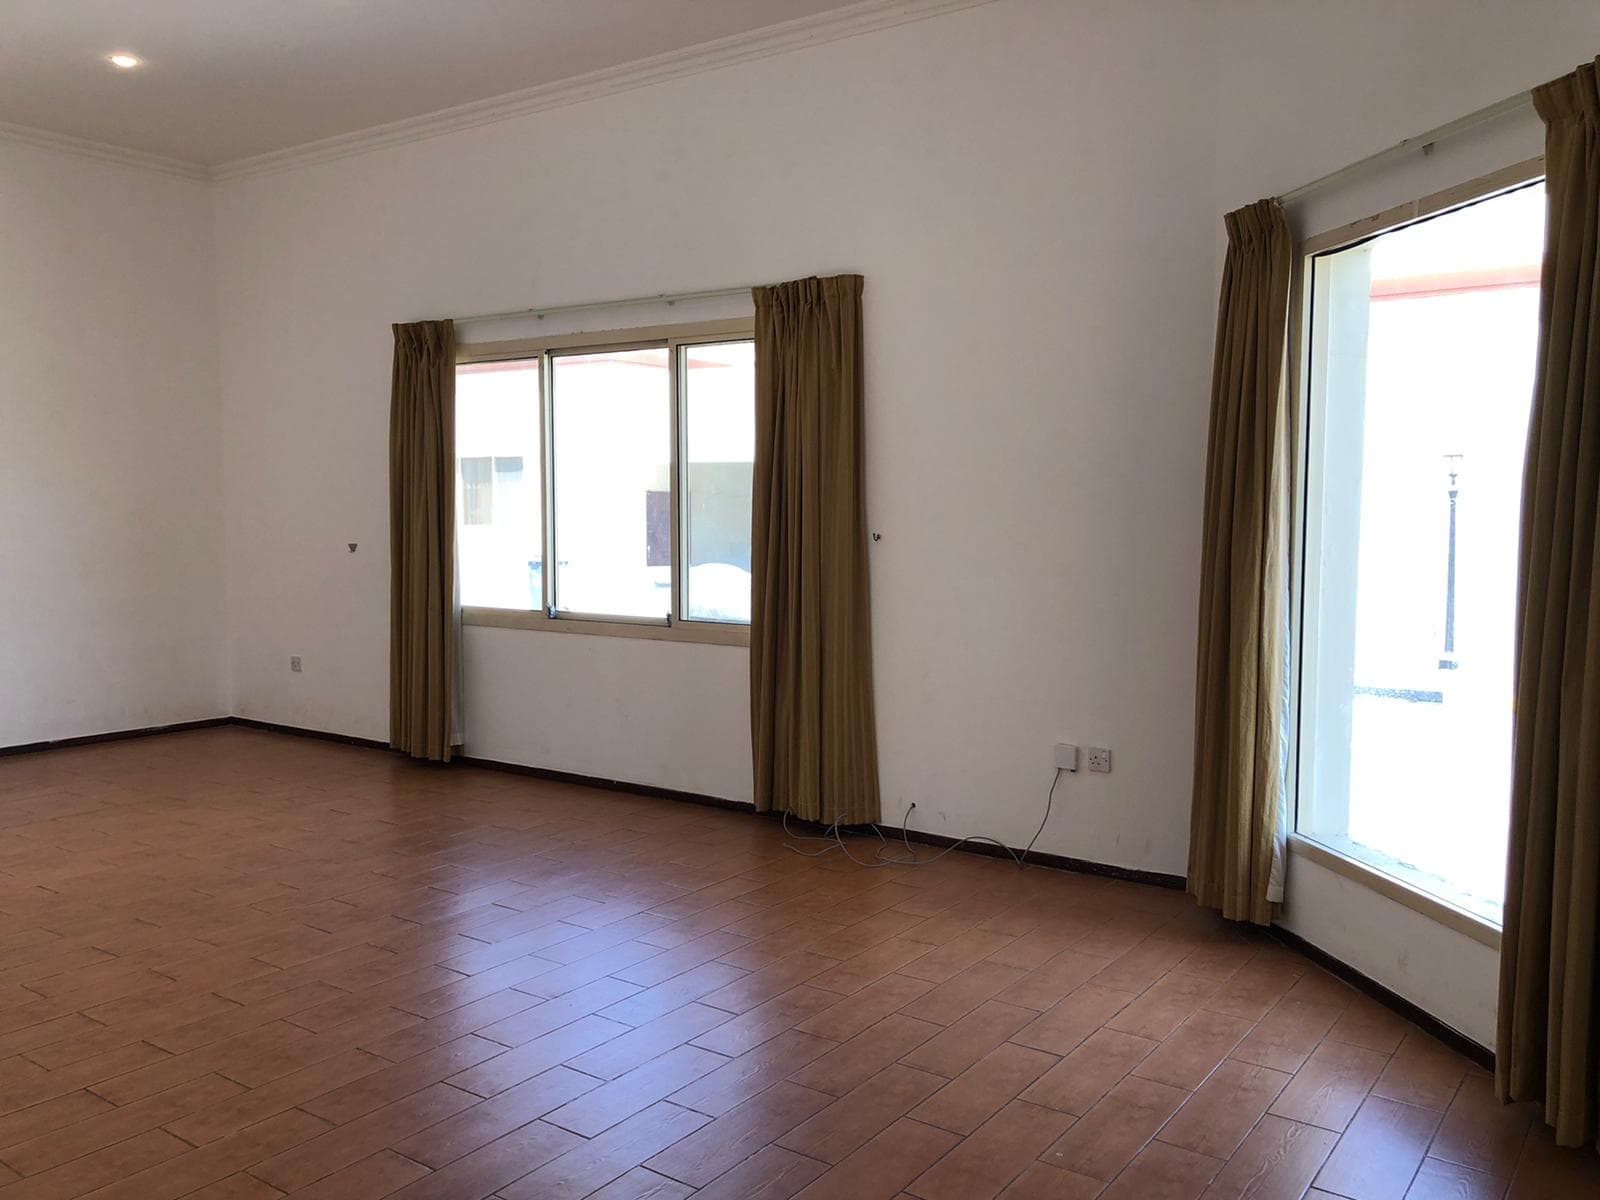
(610, 785)
(1038, 858)
(1430, 1024)
(344, 739)
(117, 735)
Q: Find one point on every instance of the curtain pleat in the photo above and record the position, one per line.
(1548, 1036)
(813, 731)
(422, 571)
(1235, 835)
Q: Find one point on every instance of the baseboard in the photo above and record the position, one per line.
(1059, 862)
(1463, 1045)
(117, 735)
(344, 739)
(611, 785)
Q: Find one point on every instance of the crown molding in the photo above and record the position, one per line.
(61, 143)
(866, 17)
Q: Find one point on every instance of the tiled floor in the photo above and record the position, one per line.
(241, 965)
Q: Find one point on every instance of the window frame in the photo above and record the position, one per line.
(676, 627)
(1303, 424)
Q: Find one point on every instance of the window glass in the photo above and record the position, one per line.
(612, 452)
(1421, 372)
(719, 439)
(500, 508)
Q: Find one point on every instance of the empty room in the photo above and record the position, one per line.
(893, 600)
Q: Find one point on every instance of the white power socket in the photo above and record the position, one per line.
(1066, 756)
(1099, 760)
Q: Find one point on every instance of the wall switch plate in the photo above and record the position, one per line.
(1066, 756)
(1100, 760)
(294, 662)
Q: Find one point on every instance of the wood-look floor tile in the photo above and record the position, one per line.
(1109, 1135)
(600, 1160)
(1546, 1171)
(1044, 1182)
(1440, 1180)
(958, 1046)
(1217, 1118)
(1076, 1083)
(1279, 1159)
(382, 1174)
(862, 1113)
(1060, 1028)
(230, 952)
(764, 1021)
(751, 1072)
(1329, 1089)
(770, 1174)
(723, 1143)
(599, 1109)
(986, 1162)
(1286, 1036)
(953, 999)
(853, 1062)
(1042, 987)
(487, 1120)
(107, 1129)
(1193, 1050)
(1422, 1072)
(339, 1147)
(1481, 1133)
(638, 1046)
(1367, 1024)
(1163, 1006)
(482, 1171)
(640, 1184)
(1380, 1152)
(1162, 1171)
(884, 1166)
(984, 1088)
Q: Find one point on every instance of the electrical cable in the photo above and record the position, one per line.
(835, 840)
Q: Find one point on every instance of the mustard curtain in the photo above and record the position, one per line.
(1548, 1039)
(422, 565)
(1235, 833)
(813, 733)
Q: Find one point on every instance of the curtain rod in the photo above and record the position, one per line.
(1423, 141)
(658, 298)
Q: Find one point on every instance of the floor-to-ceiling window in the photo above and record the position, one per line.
(1419, 370)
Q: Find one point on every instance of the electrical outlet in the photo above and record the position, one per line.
(1099, 760)
(1066, 756)
(294, 662)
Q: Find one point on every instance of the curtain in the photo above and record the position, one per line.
(1548, 1039)
(813, 734)
(1236, 827)
(423, 614)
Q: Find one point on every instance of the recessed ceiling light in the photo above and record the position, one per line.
(124, 61)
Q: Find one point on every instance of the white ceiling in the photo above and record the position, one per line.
(226, 79)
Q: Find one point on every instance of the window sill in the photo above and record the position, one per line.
(1394, 888)
(706, 633)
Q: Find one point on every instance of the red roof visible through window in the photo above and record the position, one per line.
(1449, 283)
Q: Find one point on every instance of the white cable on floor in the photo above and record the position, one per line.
(835, 840)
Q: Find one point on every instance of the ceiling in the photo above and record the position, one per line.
(227, 79)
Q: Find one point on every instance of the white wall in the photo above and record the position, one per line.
(1316, 86)
(110, 450)
(1038, 313)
